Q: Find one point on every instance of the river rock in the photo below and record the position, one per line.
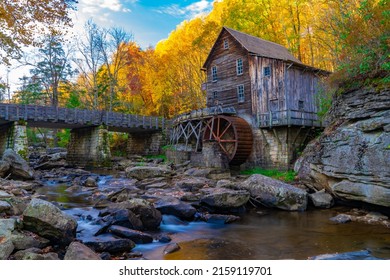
(171, 248)
(351, 158)
(120, 217)
(192, 184)
(321, 199)
(138, 237)
(90, 182)
(24, 240)
(18, 205)
(219, 219)
(7, 226)
(341, 219)
(225, 198)
(19, 168)
(274, 193)
(4, 168)
(147, 213)
(357, 255)
(4, 194)
(173, 206)
(6, 247)
(4, 206)
(79, 251)
(35, 254)
(47, 220)
(110, 244)
(227, 184)
(145, 172)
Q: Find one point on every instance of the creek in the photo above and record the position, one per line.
(259, 234)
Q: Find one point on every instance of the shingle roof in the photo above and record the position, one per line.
(257, 46)
(262, 47)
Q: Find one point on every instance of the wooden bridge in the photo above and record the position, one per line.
(88, 144)
(50, 117)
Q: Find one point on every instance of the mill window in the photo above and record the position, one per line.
(267, 71)
(226, 44)
(215, 95)
(241, 93)
(301, 105)
(239, 66)
(214, 73)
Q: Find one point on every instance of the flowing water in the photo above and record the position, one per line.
(260, 234)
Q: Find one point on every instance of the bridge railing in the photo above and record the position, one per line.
(18, 112)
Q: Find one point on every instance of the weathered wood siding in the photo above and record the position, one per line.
(268, 92)
(228, 80)
(302, 86)
(288, 88)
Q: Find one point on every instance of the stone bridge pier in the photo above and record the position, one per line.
(145, 143)
(89, 147)
(13, 135)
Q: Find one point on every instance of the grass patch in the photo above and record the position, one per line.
(163, 157)
(286, 176)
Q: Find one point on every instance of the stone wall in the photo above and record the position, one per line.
(89, 147)
(145, 143)
(351, 159)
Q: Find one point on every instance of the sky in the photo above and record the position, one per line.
(148, 21)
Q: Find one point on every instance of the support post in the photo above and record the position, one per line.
(89, 147)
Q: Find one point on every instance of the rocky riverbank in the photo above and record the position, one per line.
(129, 208)
(351, 159)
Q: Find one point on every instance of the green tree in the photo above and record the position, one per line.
(53, 67)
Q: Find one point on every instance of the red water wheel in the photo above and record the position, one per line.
(234, 136)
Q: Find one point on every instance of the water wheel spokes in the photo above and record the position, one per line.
(233, 135)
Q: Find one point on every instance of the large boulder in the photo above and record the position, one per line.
(145, 172)
(351, 158)
(78, 251)
(19, 168)
(47, 220)
(173, 206)
(147, 213)
(225, 198)
(274, 193)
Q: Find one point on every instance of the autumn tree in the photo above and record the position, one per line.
(21, 20)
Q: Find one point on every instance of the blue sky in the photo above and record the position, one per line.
(149, 21)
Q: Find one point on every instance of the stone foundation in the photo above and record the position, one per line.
(89, 147)
(277, 148)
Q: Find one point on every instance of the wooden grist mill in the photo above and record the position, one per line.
(262, 106)
(215, 124)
